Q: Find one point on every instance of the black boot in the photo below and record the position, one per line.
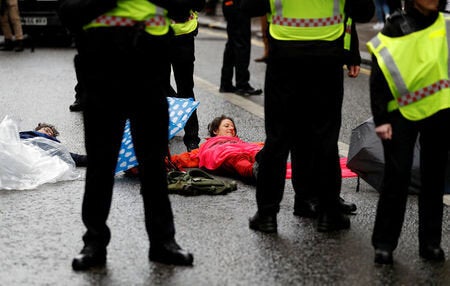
(346, 207)
(19, 46)
(8, 45)
(170, 253)
(310, 207)
(332, 221)
(89, 257)
(306, 208)
(383, 256)
(264, 223)
(76, 105)
(430, 252)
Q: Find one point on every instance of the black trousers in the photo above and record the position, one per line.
(236, 56)
(121, 69)
(302, 116)
(182, 58)
(79, 90)
(306, 189)
(398, 155)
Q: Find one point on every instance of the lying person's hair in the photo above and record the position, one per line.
(214, 125)
(42, 125)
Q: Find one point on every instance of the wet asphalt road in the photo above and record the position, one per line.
(40, 230)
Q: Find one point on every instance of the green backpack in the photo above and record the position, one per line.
(196, 182)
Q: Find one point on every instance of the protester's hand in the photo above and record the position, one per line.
(384, 131)
(353, 71)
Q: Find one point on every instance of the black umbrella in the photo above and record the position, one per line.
(365, 157)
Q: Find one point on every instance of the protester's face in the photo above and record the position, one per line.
(226, 128)
(426, 6)
(47, 130)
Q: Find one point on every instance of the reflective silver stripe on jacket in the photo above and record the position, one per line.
(311, 22)
(447, 29)
(406, 96)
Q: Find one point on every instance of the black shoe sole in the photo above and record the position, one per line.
(383, 259)
(437, 257)
(246, 93)
(181, 260)
(348, 209)
(86, 265)
(311, 214)
(328, 227)
(322, 228)
(75, 108)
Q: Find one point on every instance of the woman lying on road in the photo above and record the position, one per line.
(224, 153)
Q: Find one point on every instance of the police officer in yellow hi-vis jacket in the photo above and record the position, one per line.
(122, 54)
(302, 104)
(410, 99)
(182, 58)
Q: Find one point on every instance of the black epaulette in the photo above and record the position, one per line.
(399, 19)
(396, 15)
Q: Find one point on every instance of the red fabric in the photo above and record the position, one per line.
(233, 155)
(346, 172)
(229, 153)
(186, 159)
(288, 170)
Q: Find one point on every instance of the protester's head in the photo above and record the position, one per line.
(46, 128)
(222, 126)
